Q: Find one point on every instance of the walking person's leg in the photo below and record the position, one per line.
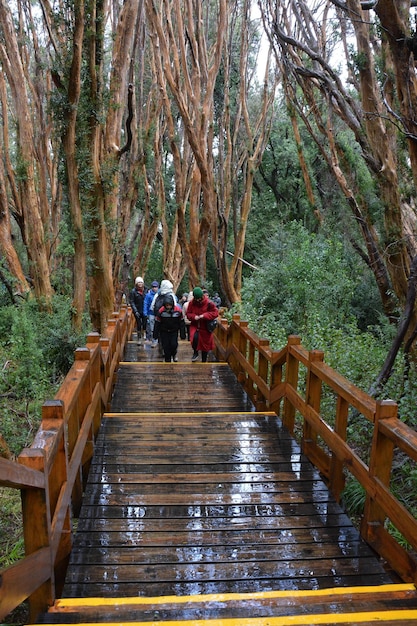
(174, 343)
(164, 342)
(194, 344)
(138, 329)
(151, 321)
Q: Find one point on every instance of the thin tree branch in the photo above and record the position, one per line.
(387, 367)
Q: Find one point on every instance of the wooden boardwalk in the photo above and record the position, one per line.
(193, 492)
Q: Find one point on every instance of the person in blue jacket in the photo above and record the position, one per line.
(150, 312)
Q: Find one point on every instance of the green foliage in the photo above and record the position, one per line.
(36, 352)
(304, 285)
(353, 497)
(360, 60)
(11, 540)
(279, 190)
(404, 482)
(155, 265)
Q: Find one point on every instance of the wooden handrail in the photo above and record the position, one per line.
(51, 474)
(290, 382)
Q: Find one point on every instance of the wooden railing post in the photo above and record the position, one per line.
(53, 414)
(274, 383)
(36, 516)
(105, 367)
(313, 400)
(337, 476)
(96, 367)
(380, 466)
(233, 343)
(73, 429)
(242, 345)
(291, 380)
(263, 371)
(249, 388)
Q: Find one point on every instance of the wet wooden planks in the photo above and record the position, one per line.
(197, 503)
(387, 604)
(192, 492)
(177, 387)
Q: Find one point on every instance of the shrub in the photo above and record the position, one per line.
(36, 352)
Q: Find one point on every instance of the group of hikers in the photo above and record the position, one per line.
(161, 316)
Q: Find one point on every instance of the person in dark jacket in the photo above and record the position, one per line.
(158, 300)
(137, 298)
(169, 321)
(200, 311)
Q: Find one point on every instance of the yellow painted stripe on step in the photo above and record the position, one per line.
(228, 597)
(402, 617)
(202, 413)
(192, 365)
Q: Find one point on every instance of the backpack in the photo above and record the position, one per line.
(158, 303)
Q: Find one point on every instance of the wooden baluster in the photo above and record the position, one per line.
(233, 343)
(291, 380)
(53, 412)
(380, 466)
(337, 476)
(313, 400)
(73, 428)
(105, 366)
(220, 339)
(242, 346)
(263, 371)
(96, 366)
(37, 528)
(276, 380)
(251, 360)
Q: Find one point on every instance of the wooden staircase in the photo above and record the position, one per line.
(200, 510)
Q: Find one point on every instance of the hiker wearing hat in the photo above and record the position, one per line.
(137, 298)
(169, 322)
(200, 311)
(149, 312)
(166, 288)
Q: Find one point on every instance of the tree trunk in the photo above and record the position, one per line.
(35, 234)
(106, 152)
(6, 244)
(69, 146)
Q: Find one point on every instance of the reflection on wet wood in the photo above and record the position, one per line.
(192, 492)
(386, 604)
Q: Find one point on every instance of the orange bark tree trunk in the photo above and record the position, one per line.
(35, 231)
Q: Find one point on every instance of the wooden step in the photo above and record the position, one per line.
(207, 503)
(385, 604)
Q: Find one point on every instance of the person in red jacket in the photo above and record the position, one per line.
(201, 310)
